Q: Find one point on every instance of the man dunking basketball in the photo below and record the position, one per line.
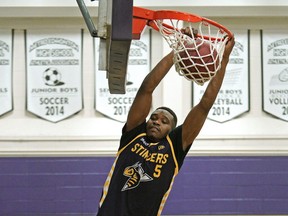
(151, 153)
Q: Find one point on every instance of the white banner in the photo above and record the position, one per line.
(6, 103)
(116, 106)
(275, 73)
(233, 97)
(54, 73)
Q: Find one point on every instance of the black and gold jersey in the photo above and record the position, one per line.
(142, 175)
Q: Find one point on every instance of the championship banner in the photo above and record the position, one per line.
(275, 73)
(54, 73)
(6, 45)
(233, 97)
(116, 106)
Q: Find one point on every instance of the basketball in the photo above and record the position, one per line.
(198, 60)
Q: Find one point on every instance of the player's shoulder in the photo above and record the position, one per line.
(176, 133)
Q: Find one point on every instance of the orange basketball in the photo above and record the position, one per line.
(199, 58)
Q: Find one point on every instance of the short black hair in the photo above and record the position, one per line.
(171, 112)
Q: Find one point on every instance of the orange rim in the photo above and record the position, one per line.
(149, 16)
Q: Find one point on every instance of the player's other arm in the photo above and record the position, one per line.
(198, 114)
(142, 103)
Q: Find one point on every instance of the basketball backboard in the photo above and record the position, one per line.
(114, 28)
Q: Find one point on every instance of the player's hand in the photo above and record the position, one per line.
(189, 31)
(228, 48)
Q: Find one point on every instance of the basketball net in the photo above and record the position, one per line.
(194, 68)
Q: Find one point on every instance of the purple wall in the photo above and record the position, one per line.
(205, 185)
(231, 185)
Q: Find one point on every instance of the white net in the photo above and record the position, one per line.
(197, 57)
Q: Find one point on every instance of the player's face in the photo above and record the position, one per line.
(159, 124)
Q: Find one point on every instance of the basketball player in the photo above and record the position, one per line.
(151, 153)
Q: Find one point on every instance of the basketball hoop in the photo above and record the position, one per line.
(197, 56)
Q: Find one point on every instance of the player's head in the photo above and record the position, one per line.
(160, 123)
(171, 112)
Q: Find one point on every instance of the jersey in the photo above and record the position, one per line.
(142, 175)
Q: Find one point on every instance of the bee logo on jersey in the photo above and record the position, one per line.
(136, 175)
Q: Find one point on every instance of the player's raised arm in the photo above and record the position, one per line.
(143, 100)
(198, 114)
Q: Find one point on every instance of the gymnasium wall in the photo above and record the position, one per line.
(214, 185)
(236, 167)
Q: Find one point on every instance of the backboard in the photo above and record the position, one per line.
(114, 28)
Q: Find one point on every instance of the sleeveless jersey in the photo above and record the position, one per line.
(142, 175)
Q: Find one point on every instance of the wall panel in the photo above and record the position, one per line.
(216, 185)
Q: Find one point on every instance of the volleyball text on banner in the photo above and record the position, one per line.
(116, 106)
(54, 73)
(6, 102)
(275, 73)
(233, 97)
